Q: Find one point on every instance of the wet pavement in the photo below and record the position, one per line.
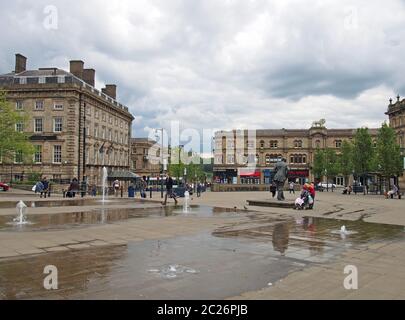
(240, 257)
(66, 220)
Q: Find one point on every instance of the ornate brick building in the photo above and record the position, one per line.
(145, 157)
(75, 128)
(396, 115)
(263, 148)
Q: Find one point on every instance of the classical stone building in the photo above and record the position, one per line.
(263, 148)
(145, 157)
(75, 128)
(396, 114)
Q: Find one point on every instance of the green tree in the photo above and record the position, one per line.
(13, 142)
(388, 153)
(318, 167)
(346, 160)
(331, 165)
(363, 153)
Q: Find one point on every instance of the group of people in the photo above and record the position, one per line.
(43, 187)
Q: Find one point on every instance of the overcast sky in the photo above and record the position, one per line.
(224, 64)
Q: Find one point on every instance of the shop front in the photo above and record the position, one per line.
(268, 175)
(298, 176)
(249, 176)
(226, 176)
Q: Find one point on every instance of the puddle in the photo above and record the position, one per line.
(43, 222)
(65, 203)
(302, 237)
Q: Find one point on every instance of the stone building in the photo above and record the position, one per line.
(263, 148)
(396, 115)
(75, 128)
(145, 157)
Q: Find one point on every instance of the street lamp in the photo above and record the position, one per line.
(178, 171)
(161, 154)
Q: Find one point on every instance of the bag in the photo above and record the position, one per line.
(310, 200)
(34, 188)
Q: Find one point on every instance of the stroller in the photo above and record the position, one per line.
(305, 201)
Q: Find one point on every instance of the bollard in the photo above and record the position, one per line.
(150, 190)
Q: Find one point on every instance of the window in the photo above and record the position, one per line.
(95, 131)
(57, 154)
(116, 137)
(19, 126)
(338, 144)
(103, 133)
(116, 122)
(58, 106)
(230, 159)
(95, 156)
(110, 136)
(39, 105)
(298, 144)
(298, 158)
(111, 120)
(274, 144)
(88, 110)
(38, 125)
(19, 105)
(317, 143)
(268, 159)
(103, 117)
(18, 157)
(38, 154)
(96, 114)
(57, 124)
(262, 144)
(120, 124)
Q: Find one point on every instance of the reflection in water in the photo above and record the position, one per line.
(77, 271)
(281, 235)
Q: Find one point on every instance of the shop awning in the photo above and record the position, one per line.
(123, 175)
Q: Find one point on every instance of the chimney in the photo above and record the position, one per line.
(89, 76)
(20, 63)
(110, 90)
(76, 68)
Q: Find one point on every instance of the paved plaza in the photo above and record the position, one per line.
(220, 249)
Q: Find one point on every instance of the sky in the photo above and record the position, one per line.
(223, 64)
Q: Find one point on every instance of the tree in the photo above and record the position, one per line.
(388, 153)
(318, 168)
(13, 142)
(331, 165)
(363, 153)
(346, 160)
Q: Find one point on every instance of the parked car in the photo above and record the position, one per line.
(325, 185)
(4, 186)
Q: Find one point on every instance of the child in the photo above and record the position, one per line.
(273, 189)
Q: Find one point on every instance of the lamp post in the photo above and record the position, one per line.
(178, 171)
(161, 155)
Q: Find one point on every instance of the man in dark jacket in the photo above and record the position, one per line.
(280, 177)
(169, 190)
(45, 183)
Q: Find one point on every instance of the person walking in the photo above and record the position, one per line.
(291, 187)
(169, 190)
(199, 187)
